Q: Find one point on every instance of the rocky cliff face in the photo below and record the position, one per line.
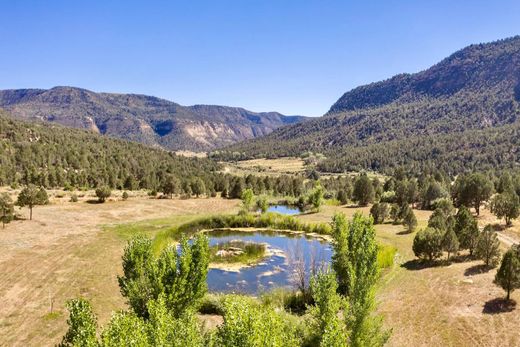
(142, 118)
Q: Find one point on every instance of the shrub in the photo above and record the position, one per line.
(103, 193)
(73, 198)
(428, 243)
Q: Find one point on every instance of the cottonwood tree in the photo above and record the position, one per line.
(488, 247)
(327, 325)
(262, 204)
(31, 196)
(6, 209)
(355, 263)
(506, 205)
(178, 275)
(248, 324)
(247, 199)
(316, 196)
(508, 275)
(82, 325)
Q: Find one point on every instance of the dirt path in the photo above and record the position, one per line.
(64, 253)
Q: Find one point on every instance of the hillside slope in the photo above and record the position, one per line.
(142, 118)
(55, 156)
(417, 120)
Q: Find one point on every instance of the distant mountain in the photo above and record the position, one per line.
(459, 114)
(142, 118)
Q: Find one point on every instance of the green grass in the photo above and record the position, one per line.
(385, 256)
(52, 316)
(251, 252)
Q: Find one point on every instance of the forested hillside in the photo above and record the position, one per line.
(56, 156)
(142, 118)
(462, 113)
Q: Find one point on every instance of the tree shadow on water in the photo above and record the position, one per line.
(499, 305)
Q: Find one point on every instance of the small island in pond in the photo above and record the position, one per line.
(238, 252)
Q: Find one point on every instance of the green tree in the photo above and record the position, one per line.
(355, 263)
(363, 192)
(472, 190)
(6, 209)
(262, 204)
(506, 205)
(248, 324)
(505, 183)
(466, 229)
(171, 185)
(427, 243)
(379, 211)
(82, 325)
(31, 196)
(329, 329)
(508, 275)
(125, 329)
(450, 243)
(488, 247)
(410, 221)
(198, 187)
(316, 197)
(394, 213)
(342, 196)
(103, 193)
(179, 276)
(247, 197)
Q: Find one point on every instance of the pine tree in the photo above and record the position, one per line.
(6, 209)
(488, 247)
(508, 275)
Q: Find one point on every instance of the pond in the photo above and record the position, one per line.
(284, 209)
(276, 270)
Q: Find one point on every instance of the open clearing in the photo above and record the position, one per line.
(70, 250)
(73, 249)
(266, 166)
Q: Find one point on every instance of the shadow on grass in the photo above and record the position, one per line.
(420, 264)
(499, 305)
(476, 270)
(405, 232)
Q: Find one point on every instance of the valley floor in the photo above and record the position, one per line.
(74, 249)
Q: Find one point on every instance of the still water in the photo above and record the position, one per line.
(273, 271)
(284, 209)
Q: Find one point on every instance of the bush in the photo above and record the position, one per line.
(103, 193)
(73, 198)
(125, 196)
(428, 244)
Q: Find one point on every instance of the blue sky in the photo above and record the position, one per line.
(295, 57)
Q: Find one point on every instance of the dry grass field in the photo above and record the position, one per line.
(74, 249)
(70, 250)
(266, 166)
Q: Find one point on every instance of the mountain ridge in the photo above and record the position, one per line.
(476, 88)
(142, 118)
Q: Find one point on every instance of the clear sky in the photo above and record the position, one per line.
(295, 57)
